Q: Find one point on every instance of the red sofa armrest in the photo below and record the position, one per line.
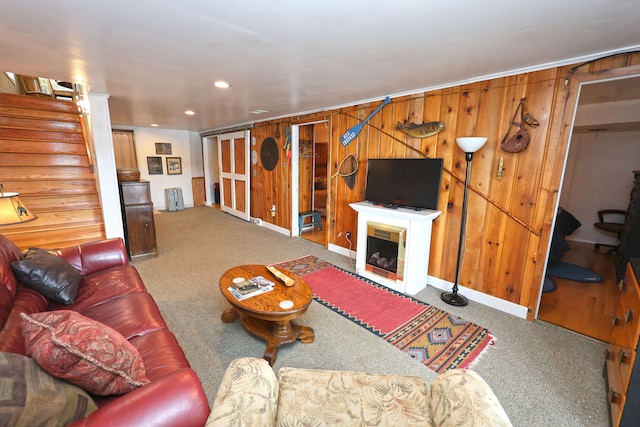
(95, 256)
(176, 400)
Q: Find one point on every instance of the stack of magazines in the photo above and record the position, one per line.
(251, 287)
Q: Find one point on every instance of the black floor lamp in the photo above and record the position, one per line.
(469, 145)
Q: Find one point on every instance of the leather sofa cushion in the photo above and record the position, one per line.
(9, 253)
(95, 256)
(132, 315)
(161, 353)
(27, 301)
(7, 299)
(104, 286)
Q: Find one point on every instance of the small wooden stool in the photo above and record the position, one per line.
(316, 221)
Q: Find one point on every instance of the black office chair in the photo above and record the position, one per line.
(566, 224)
(608, 226)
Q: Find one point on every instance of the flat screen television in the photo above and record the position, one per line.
(407, 183)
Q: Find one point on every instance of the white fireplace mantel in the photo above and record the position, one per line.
(418, 224)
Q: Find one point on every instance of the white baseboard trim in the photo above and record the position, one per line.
(488, 300)
(342, 251)
(273, 227)
(471, 294)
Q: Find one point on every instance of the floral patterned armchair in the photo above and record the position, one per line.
(251, 395)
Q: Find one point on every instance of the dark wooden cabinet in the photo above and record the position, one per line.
(137, 216)
(622, 367)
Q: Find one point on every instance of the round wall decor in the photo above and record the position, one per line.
(269, 153)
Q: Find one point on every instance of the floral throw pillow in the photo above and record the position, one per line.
(84, 352)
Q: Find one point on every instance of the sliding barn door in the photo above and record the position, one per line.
(233, 158)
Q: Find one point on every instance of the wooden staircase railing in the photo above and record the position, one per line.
(44, 157)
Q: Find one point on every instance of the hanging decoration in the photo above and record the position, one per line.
(519, 141)
(347, 169)
(471, 187)
(269, 153)
(287, 145)
(423, 130)
(354, 131)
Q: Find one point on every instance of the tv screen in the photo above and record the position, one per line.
(409, 183)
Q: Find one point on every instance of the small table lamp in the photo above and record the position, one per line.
(469, 145)
(12, 211)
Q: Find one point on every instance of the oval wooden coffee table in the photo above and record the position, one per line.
(262, 314)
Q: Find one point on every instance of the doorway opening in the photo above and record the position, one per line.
(233, 161)
(313, 157)
(598, 175)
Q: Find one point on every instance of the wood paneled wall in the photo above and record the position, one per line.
(510, 216)
(43, 157)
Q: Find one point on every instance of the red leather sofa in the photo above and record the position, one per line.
(113, 293)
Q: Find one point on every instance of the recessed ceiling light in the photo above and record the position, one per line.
(221, 84)
(258, 111)
(190, 112)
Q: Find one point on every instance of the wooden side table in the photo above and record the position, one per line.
(263, 315)
(137, 215)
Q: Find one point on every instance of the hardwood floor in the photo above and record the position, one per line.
(315, 235)
(586, 308)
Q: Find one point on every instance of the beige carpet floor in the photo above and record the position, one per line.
(543, 375)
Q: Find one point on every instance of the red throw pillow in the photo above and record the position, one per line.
(84, 352)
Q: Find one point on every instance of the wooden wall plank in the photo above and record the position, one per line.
(44, 160)
(40, 135)
(22, 173)
(53, 203)
(483, 172)
(32, 103)
(15, 112)
(63, 219)
(431, 113)
(42, 147)
(39, 124)
(55, 239)
(446, 227)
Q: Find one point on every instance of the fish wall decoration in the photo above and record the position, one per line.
(423, 130)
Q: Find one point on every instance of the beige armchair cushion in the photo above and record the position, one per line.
(461, 398)
(343, 398)
(247, 396)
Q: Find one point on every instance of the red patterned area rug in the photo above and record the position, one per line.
(427, 334)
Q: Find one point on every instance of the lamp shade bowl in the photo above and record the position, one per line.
(471, 144)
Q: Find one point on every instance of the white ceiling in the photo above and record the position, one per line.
(157, 59)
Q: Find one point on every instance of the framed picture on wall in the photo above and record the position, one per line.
(163, 148)
(154, 164)
(174, 165)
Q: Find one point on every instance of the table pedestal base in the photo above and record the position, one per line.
(275, 332)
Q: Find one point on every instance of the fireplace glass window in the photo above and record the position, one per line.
(385, 250)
